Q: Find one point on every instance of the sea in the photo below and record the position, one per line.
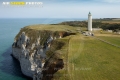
(9, 28)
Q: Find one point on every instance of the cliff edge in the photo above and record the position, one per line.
(38, 49)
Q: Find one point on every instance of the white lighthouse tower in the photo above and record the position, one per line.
(89, 22)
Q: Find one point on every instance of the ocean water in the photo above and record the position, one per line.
(10, 67)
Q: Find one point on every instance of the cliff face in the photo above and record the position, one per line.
(36, 50)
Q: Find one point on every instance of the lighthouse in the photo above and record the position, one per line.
(89, 22)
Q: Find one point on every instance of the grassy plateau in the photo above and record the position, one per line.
(91, 59)
(85, 57)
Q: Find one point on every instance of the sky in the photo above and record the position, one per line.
(63, 9)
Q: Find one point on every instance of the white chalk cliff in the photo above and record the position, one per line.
(38, 50)
(32, 54)
(31, 60)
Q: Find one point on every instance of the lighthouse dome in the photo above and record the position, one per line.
(89, 14)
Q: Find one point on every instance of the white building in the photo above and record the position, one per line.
(89, 22)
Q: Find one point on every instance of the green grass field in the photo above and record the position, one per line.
(112, 39)
(111, 22)
(109, 37)
(91, 59)
(51, 27)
